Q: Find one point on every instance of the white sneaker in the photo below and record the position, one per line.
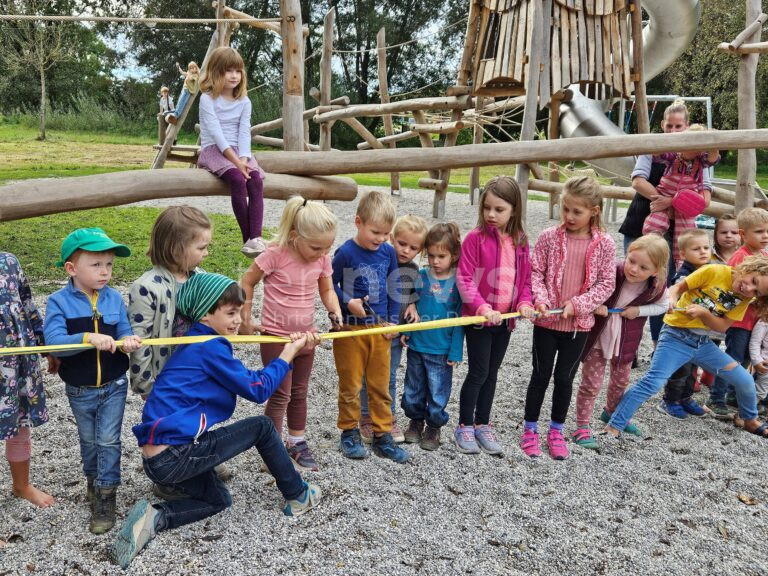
(253, 247)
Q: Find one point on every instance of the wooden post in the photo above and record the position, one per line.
(162, 126)
(326, 75)
(554, 134)
(477, 138)
(531, 95)
(641, 102)
(222, 28)
(746, 166)
(381, 52)
(293, 75)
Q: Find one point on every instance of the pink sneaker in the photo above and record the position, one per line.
(530, 443)
(556, 444)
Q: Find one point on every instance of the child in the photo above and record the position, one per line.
(758, 352)
(711, 298)
(166, 101)
(22, 393)
(493, 277)
(87, 311)
(683, 183)
(727, 239)
(198, 389)
(573, 269)
(407, 237)
(225, 142)
(179, 242)
(753, 228)
(190, 89)
(366, 279)
(678, 400)
(433, 353)
(641, 292)
(294, 268)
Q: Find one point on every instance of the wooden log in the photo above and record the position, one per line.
(277, 123)
(747, 33)
(326, 75)
(381, 53)
(583, 50)
(553, 133)
(582, 148)
(221, 27)
(183, 158)
(641, 102)
(555, 64)
(264, 25)
(565, 46)
(545, 75)
(433, 184)
(470, 38)
(363, 132)
(384, 140)
(752, 48)
(746, 164)
(293, 74)
(28, 198)
(477, 138)
(279, 143)
(458, 90)
(438, 127)
(162, 126)
(368, 110)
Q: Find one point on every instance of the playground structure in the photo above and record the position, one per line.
(569, 55)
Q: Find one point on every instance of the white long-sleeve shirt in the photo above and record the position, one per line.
(226, 123)
(758, 343)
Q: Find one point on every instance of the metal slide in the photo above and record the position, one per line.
(672, 26)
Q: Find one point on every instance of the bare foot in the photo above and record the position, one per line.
(37, 497)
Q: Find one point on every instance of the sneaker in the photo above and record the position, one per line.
(430, 440)
(397, 434)
(464, 436)
(414, 431)
(556, 444)
(719, 410)
(530, 443)
(384, 447)
(138, 530)
(731, 401)
(366, 429)
(224, 473)
(762, 408)
(486, 440)
(308, 500)
(351, 445)
(169, 493)
(673, 409)
(583, 437)
(90, 490)
(692, 407)
(605, 416)
(630, 428)
(302, 457)
(253, 247)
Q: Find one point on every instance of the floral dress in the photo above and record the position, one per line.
(22, 395)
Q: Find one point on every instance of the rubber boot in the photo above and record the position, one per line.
(103, 510)
(90, 491)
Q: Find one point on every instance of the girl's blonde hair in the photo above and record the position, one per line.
(212, 77)
(506, 188)
(724, 218)
(307, 218)
(657, 250)
(586, 190)
(445, 235)
(173, 231)
(411, 223)
(677, 107)
(756, 265)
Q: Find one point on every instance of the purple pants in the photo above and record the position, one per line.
(247, 201)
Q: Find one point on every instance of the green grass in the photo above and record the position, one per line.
(36, 242)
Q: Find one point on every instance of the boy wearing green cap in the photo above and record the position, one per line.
(197, 389)
(88, 311)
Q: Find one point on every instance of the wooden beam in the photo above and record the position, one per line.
(753, 48)
(437, 103)
(554, 134)
(477, 138)
(28, 198)
(279, 143)
(641, 102)
(748, 33)
(584, 148)
(407, 135)
(433, 184)
(277, 123)
(389, 130)
(438, 127)
(264, 25)
(293, 74)
(326, 75)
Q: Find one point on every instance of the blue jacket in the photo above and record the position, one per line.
(198, 388)
(69, 314)
(437, 300)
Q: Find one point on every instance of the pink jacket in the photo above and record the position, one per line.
(476, 275)
(548, 263)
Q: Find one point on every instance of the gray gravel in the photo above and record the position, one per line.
(669, 504)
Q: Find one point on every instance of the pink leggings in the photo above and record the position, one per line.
(19, 448)
(291, 396)
(592, 377)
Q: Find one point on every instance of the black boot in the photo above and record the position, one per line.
(90, 491)
(103, 510)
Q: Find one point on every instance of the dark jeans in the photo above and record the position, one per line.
(189, 468)
(681, 384)
(427, 387)
(486, 347)
(247, 201)
(547, 344)
(737, 347)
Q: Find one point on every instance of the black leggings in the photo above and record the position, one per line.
(486, 347)
(681, 384)
(547, 344)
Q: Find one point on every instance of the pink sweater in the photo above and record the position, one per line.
(548, 265)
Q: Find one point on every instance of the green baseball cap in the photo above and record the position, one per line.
(92, 240)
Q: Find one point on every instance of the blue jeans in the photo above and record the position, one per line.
(427, 387)
(676, 347)
(396, 352)
(737, 347)
(98, 413)
(189, 468)
(182, 103)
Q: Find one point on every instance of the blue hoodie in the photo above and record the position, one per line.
(198, 388)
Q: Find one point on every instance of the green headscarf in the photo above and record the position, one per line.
(198, 294)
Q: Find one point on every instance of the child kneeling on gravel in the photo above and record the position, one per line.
(197, 389)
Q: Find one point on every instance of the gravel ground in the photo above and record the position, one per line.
(668, 504)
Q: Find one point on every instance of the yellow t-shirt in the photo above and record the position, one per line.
(711, 287)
